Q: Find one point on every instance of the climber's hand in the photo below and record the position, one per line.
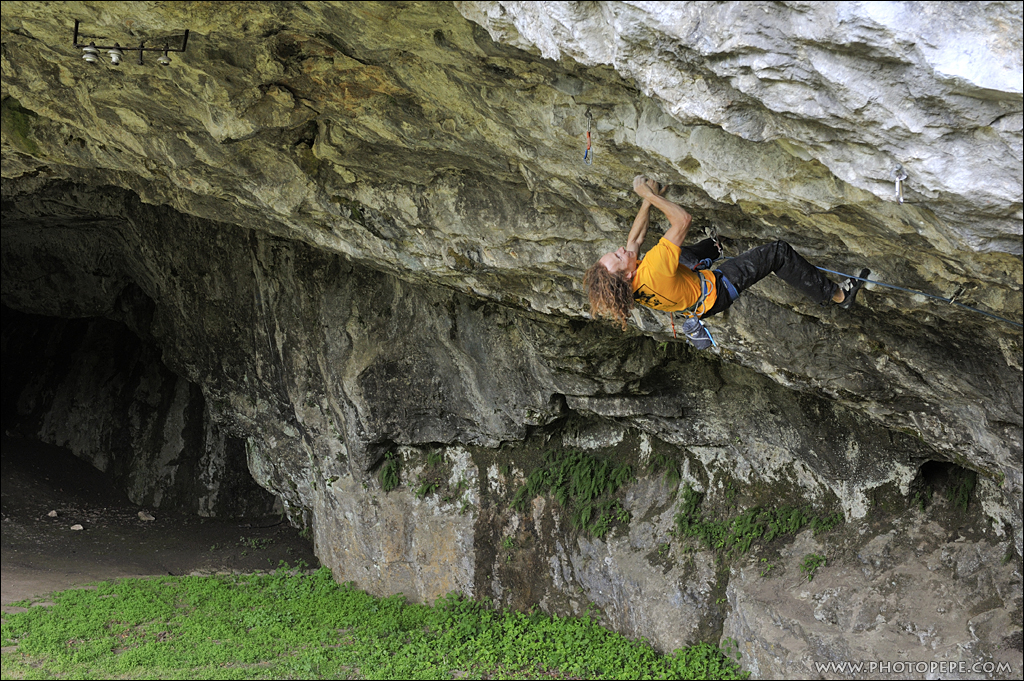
(642, 186)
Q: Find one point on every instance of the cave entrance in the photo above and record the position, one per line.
(100, 391)
(955, 483)
(66, 523)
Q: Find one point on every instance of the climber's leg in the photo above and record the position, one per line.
(748, 268)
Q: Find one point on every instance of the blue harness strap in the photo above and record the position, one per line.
(733, 293)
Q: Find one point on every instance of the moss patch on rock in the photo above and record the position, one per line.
(16, 122)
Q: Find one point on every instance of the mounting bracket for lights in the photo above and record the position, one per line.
(91, 51)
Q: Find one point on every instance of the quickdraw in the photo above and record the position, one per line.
(898, 175)
(588, 153)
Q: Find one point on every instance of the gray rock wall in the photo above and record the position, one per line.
(327, 370)
(358, 229)
(858, 88)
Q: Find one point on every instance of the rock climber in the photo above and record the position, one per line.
(672, 277)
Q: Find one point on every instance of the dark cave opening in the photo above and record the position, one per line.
(97, 389)
(952, 481)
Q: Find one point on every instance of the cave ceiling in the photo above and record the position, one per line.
(442, 143)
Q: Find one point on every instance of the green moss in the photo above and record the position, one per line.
(811, 563)
(735, 535)
(16, 122)
(826, 523)
(960, 488)
(584, 485)
(435, 479)
(355, 209)
(388, 474)
(663, 462)
(922, 498)
(307, 160)
(954, 481)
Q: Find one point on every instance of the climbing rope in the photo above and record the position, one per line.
(927, 295)
(951, 301)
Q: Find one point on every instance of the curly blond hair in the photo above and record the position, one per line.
(611, 295)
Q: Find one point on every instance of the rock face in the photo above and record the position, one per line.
(344, 243)
(892, 601)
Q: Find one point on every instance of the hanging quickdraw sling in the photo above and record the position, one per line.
(588, 152)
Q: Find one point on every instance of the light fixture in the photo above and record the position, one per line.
(91, 52)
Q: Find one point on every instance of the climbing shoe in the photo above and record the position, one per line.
(851, 286)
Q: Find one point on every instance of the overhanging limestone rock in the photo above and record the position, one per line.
(362, 227)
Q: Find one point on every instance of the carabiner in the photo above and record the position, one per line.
(898, 175)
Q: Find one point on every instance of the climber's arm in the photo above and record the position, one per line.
(638, 232)
(678, 219)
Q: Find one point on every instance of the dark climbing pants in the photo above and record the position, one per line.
(748, 268)
(692, 255)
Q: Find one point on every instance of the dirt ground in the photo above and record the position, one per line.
(41, 554)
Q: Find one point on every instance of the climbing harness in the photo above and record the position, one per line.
(694, 329)
(705, 290)
(898, 175)
(733, 293)
(588, 153)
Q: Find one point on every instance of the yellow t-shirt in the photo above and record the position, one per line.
(660, 282)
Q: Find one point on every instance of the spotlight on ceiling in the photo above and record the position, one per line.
(91, 52)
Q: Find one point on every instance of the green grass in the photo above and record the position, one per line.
(284, 625)
(584, 485)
